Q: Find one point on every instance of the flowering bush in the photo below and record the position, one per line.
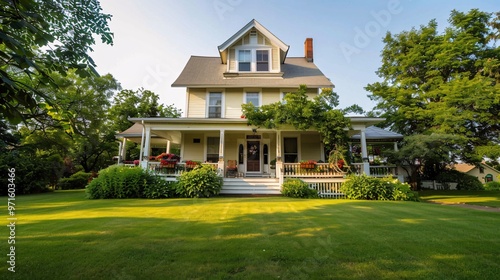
(167, 156)
(308, 164)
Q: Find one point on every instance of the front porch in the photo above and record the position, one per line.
(240, 153)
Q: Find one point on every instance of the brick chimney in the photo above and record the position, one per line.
(308, 49)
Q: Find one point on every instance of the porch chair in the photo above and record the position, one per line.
(231, 168)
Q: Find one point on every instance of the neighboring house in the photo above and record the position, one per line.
(252, 66)
(483, 171)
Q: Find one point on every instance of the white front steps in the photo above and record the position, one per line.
(250, 186)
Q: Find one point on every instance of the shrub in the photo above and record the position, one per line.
(464, 181)
(202, 181)
(125, 182)
(297, 188)
(492, 186)
(159, 188)
(371, 188)
(76, 181)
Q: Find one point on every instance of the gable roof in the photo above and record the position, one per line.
(463, 167)
(243, 31)
(201, 71)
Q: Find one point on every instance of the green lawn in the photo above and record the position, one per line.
(483, 198)
(63, 235)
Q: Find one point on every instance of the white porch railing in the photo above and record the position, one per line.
(375, 170)
(295, 170)
(326, 187)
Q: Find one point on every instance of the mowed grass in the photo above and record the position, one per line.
(63, 235)
(482, 198)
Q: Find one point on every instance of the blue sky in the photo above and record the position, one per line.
(153, 39)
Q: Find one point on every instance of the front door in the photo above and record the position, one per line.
(253, 156)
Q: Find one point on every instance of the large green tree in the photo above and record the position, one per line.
(38, 38)
(85, 135)
(301, 112)
(444, 82)
(138, 104)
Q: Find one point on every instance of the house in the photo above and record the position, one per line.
(251, 66)
(483, 171)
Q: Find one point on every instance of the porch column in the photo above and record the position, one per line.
(221, 150)
(147, 143)
(124, 149)
(182, 146)
(147, 147)
(142, 142)
(364, 153)
(279, 159)
(119, 153)
(167, 150)
(396, 146)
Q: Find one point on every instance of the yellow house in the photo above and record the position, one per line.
(251, 66)
(483, 171)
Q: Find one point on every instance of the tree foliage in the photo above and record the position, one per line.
(426, 155)
(138, 104)
(444, 82)
(302, 112)
(38, 38)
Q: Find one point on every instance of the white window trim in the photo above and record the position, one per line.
(299, 144)
(223, 103)
(252, 91)
(253, 53)
(205, 146)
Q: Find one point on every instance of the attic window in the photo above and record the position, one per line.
(253, 37)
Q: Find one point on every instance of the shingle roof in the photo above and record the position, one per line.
(463, 167)
(203, 71)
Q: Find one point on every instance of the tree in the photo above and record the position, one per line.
(425, 154)
(85, 135)
(444, 83)
(138, 104)
(302, 113)
(38, 38)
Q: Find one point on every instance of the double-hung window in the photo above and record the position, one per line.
(213, 149)
(253, 60)
(291, 151)
(244, 60)
(262, 60)
(253, 97)
(215, 105)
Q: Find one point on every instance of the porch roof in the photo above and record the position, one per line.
(376, 133)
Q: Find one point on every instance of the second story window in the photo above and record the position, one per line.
(244, 60)
(253, 97)
(262, 60)
(215, 105)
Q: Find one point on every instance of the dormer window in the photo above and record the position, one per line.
(244, 60)
(262, 60)
(255, 60)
